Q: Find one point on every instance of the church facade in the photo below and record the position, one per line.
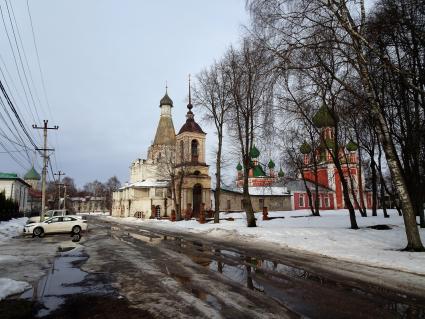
(173, 176)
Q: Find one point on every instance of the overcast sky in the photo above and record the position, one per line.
(105, 64)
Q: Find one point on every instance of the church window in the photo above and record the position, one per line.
(196, 173)
(181, 151)
(229, 204)
(194, 151)
(327, 204)
(301, 200)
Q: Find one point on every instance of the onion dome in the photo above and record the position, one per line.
(166, 100)
(258, 171)
(329, 143)
(281, 173)
(254, 152)
(305, 148)
(351, 146)
(271, 164)
(239, 167)
(32, 175)
(323, 118)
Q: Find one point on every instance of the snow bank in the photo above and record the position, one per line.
(10, 287)
(327, 235)
(12, 228)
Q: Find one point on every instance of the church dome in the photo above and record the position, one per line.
(191, 125)
(166, 100)
(32, 175)
(323, 118)
(351, 146)
(305, 148)
(239, 167)
(254, 152)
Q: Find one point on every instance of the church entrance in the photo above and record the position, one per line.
(158, 212)
(197, 199)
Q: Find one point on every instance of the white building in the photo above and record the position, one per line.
(150, 190)
(15, 189)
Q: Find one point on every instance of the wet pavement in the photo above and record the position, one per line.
(124, 271)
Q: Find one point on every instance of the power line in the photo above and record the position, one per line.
(16, 65)
(20, 58)
(38, 62)
(16, 114)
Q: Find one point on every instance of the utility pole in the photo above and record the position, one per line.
(45, 157)
(60, 173)
(64, 196)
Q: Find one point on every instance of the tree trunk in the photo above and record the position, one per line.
(218, 181)
(374, 187)
(250, 217)
(384, 204)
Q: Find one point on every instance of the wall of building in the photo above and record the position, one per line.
(17, 191)
(232, 201)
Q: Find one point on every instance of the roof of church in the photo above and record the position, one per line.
(190, 125)
(166, 100)
(165, 133)
(32, 175)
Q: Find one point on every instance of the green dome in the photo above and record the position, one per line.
(281, 173)
(323, 118)
(32, 175)
(351, 146)
(254, 153)
(305, 148)
(330, 143)
(271, 164)
(239, 167)
(258, 171)
(166, 100)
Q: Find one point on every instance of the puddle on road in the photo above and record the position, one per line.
(63, 280)
(301, 291)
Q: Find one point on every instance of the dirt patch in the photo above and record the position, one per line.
(380, 227)
(94, 307)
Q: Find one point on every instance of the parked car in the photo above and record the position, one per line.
(51, 213)
(57, 224)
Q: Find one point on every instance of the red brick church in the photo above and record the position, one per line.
(328, 179)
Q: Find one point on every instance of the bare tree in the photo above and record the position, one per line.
(284, 27)
(213, 95)
(247, 74)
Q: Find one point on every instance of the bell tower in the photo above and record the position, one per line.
(191, 163)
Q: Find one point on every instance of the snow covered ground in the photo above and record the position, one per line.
(11, 287)
(327, 235)
(12, 228)
(8, 230)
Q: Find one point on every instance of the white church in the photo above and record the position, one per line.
(174, 175)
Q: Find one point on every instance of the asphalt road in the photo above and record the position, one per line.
(122, 271)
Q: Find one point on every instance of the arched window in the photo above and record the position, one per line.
(181, 151)
(194, 151)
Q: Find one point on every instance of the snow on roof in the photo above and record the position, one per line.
(268, 191)
(147, 183)
(263, 191)
(298, 185)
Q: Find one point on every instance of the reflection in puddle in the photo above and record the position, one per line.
(59, 282)
(62, 280)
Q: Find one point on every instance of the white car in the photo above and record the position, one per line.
(58, 224)
(51, 213)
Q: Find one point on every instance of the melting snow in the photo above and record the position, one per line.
(328, 235)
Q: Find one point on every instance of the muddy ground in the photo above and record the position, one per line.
(121, 271)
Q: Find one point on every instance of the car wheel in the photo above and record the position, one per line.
(76, 229)
(38, 232)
